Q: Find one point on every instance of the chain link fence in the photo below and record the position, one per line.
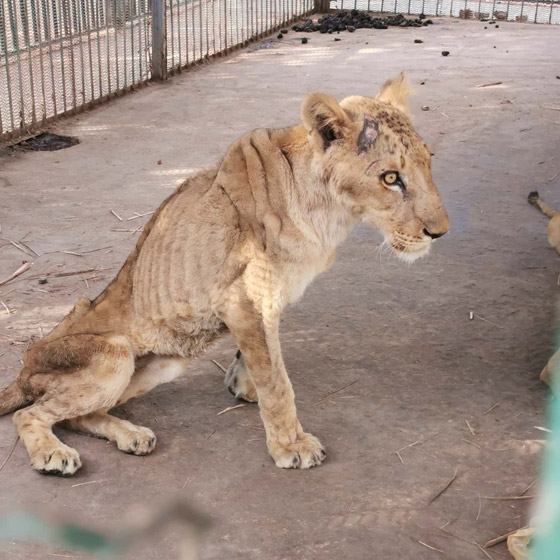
(58, 57)
(197, 30)
(531, 11)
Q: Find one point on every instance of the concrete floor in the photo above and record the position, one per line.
(400, 335)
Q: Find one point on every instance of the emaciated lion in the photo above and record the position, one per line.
(226, 253)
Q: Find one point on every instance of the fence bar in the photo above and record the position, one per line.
(25, 19)
(536, 11)
(159, 40)
(107, 49)
(125, 42)
(140, 21)
(82, 60)
(90, 52)
(8, 80)
(172, 33)
(321, 6)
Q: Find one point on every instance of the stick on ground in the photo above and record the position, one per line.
(529, 487)
(491, 408)
(431, 547)
(470, 428)
(489, 85)
(9, 454)
(61, 274)
(501, 538)
(220, 366)
(23, 268)
(445, 487)
(508, 498)
(336, 391)
(230, 408)
(471, 442)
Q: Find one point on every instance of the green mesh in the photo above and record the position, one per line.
(546, 544)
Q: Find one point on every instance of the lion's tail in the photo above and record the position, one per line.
(534, 199)
(12, 398)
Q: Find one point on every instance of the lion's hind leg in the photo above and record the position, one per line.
(150, 372)
(128, 437)
(76, 375)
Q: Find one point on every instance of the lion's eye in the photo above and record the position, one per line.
(391, 177)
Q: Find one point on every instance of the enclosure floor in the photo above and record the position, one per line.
(398, 336)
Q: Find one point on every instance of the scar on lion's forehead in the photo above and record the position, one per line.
(368, 135)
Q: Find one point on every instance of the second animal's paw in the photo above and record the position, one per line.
(306, 452)
(136, 440)
(238, 380)
(60, 460)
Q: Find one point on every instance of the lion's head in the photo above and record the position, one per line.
(372, 159)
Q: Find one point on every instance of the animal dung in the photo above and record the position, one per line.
(418, 41)
(350, 21)
(304, 41)
(444, 53)
(280, 36)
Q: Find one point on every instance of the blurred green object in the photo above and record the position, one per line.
(31, 527)
(546, 545)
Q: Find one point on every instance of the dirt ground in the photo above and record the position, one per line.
(415, 368)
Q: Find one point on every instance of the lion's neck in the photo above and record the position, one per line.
(321, 218)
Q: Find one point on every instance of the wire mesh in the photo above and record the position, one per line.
(524, 11)
(57, 56)
(199, 29)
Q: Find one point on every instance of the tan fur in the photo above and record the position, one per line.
(396, 92)
(553, 229)
(550, 368)
(227, 252)
(553, 234)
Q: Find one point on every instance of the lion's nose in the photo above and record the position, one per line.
(433, 235)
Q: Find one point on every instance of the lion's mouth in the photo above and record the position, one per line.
(408, 247)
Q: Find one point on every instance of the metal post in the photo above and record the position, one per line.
(159, 40)
(321, 6)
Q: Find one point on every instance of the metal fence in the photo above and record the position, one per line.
(199, 29)
(61, 56)
(531, 11)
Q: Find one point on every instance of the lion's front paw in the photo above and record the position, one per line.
(238, 380)
(60, 460)
(136, 440)
(305, 453)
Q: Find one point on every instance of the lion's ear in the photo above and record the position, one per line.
(395, 92)
(321, 114)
